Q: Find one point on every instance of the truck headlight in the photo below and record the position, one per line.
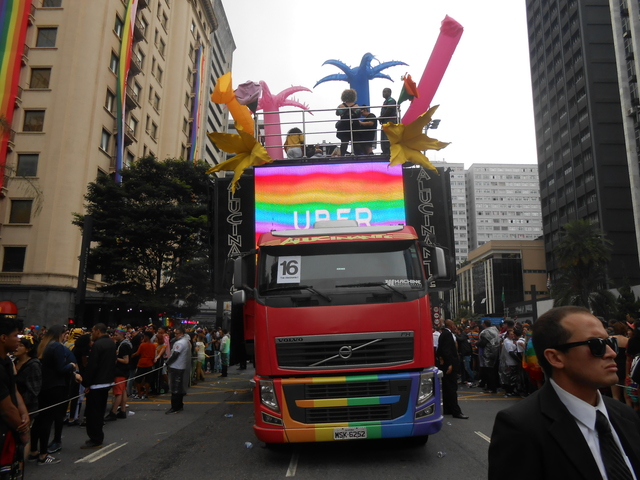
(425, 392)
(268, 395)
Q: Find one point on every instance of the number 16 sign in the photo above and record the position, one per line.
(288, 270)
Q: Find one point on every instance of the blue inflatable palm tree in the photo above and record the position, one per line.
(358, 77)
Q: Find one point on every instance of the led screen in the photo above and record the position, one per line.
(296, 196)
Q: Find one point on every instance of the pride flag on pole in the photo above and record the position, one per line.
(121, 88)
(14, 18)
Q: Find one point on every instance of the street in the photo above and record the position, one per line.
(203, 441)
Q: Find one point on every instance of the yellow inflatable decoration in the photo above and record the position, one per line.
(223, 94)
(249, 153)
(408, 141)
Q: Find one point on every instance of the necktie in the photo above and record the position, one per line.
(612, 458)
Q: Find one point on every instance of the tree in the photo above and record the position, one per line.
(152, 235)
(582, 257)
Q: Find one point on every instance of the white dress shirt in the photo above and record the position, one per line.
(585, 417)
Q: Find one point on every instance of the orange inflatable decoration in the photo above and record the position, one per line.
(223, 94)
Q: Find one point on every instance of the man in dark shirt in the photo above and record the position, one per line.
(98, 379)
(14, 418)
(388, 113)
(123, 354)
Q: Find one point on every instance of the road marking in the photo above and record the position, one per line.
(483, 436)
(103, 452)
(293, 465)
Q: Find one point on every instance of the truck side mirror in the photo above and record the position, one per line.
(241, 271)
(439, 265)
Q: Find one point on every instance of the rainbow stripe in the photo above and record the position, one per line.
(196, 103)
(348, 402)
(294, 197)
(121, 87)
(14, 18)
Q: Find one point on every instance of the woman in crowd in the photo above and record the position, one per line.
(28, 375)
(632, 395)
(620, 334)
(200, 348)
(55, 370)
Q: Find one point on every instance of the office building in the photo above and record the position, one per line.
(503, 203)
(64, 126)
(582, 154)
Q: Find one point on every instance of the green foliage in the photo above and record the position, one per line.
(151, 235)
(582, 256)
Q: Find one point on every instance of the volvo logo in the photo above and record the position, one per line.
(345, 352)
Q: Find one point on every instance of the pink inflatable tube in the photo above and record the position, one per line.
(450, 33)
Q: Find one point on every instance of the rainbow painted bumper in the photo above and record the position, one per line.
(317, 409)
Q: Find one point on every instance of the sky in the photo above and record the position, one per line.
(485, 98)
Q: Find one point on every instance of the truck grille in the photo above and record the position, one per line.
(345, 351)
(357, 413)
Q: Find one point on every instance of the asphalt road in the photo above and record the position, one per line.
(202, 442)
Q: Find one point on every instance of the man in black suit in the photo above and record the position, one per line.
(566, 429)
(447, 355)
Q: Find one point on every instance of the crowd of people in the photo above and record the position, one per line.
(502, 358)
(57, 371)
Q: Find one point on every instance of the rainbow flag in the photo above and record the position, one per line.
(123, 73)
(196, 103)
(14, 17)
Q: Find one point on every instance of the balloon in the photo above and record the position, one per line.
(270, 105)
(223, 93)
(450, 33)
(248, 94)
(358, 77)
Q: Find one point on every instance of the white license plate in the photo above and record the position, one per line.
(349, 433)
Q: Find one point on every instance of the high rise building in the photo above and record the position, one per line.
(65, 125)
(503, 203)
(582, 157)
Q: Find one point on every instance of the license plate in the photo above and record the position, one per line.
(349, 433)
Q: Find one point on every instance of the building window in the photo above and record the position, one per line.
(33, 121)
(51, 3)
(133, 124)
(113, 63)
(110, 102)
(185, 125)
(129, 158)
(153, 132)
(117, 28)
(40, 78)
(27, 165)
(20, 211)
(159, 73)
(162, 47)
(47, 37)
(193, 26)
(156, 101)
(13, 259)
(105, 139)
(164, 21)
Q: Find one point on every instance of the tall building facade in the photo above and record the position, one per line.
(503, 203)
(582, 157)
(65, 126)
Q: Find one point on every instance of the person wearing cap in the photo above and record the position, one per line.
(568, 429)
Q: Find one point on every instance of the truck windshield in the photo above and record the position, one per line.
(337, 267)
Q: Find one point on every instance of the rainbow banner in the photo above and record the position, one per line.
(295, 197)
(14, 18)
(121, 88)
(199, 64)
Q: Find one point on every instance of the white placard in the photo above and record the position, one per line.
(289, 269)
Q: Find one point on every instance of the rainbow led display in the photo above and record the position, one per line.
(295, 197)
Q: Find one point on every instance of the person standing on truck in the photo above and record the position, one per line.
(388, 113)
(348, 111)
(365, 138)
(447, 355)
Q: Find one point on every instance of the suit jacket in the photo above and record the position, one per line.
(539, 439)
(447, 352)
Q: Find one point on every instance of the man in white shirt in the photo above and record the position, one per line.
(178, 364)
(567, 428)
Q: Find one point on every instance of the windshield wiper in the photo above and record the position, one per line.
(300, 287)
(374, 284)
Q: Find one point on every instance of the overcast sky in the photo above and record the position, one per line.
(485, 96)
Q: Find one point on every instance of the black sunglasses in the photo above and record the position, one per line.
(598, 346)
